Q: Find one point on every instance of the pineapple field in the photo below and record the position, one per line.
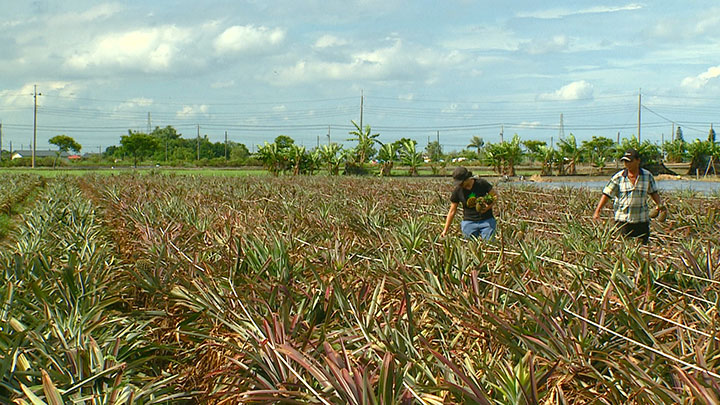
(162, 289)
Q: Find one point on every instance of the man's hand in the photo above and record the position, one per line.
(596, 216)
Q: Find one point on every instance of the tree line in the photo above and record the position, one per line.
(369, 153)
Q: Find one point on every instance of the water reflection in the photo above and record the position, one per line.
(704, 187)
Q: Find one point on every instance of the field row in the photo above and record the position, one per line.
(339, 290)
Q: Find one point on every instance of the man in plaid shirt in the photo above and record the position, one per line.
(630, 189)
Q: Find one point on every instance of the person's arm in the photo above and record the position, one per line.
(489, 206)
(603, 200)
(449, 219)
(656, 197)
(653, 193)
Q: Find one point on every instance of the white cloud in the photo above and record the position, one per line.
(701, 80)
(248, 37)
(23, 97)
(328, 41)
(148, 50)
(134, 103)
(574, 91)
(703, 26)
(393, 62)
(561, 12)
(557, 43)
(530, 124)
(484, 38)
(189, 111)
(101, 11)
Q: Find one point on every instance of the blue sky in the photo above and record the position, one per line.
(457, 68)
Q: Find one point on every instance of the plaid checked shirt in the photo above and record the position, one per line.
(630, 201)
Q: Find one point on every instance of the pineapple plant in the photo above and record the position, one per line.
(483, 202)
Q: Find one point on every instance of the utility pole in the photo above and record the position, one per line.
(318, 142)
(552, 144)
(328, 135)
(362, 101)
(34, 145)
(662, 145)
(672, 134)
(438, 138)
(502, 130)
(198, 142)
(561, 134)
(226, 155)
(639, 109)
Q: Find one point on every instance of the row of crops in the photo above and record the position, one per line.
(14, 189)
(167, 289)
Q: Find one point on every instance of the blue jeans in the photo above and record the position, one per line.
(479, 229)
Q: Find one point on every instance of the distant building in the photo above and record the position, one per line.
(19, 154)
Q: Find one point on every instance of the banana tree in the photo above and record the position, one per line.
(504, 156)
(409, 156)
(331, 156)
(700, 152)
(597, 150)
(272, 157)
(296, 157)
(570, 154)
(387, 154)
(675, 151)
(548, 157)
(366, 140)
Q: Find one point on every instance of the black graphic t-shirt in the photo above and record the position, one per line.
(461, 196)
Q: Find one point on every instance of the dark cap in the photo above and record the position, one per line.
(630, 154)
(461, 174)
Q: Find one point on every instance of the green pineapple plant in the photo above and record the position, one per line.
(483, 202)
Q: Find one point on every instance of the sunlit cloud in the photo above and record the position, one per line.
(564, 12)
(701, 80)
(248, 37)
(189, 111)
(574, 91)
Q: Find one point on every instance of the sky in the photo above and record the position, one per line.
(426, 70)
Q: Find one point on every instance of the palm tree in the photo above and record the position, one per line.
(409, 156)
(477, 143)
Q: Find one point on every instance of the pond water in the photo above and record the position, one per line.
(704, 187)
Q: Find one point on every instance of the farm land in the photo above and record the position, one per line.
(165, 288)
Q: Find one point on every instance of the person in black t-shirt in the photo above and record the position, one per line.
(471, 192)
